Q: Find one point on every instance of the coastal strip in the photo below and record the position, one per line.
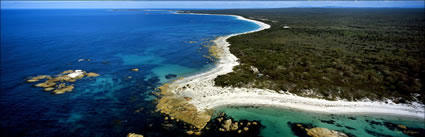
(199, 93)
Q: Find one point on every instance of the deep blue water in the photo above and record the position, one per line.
(35, 42)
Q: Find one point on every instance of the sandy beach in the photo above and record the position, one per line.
(204, 95)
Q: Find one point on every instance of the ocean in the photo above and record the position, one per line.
(161, 44)
(107, 42)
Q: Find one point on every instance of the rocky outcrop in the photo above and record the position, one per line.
(181, 109)
(92, 74)
(324, 132)
(67, 72)
(48, 89)
(135, 69)
(61, 90)
(77, 74)
(46, 84)
(189, 132)
(224, 125)
(134, 135)
(38, 78)
(58, 84)
(308, 130)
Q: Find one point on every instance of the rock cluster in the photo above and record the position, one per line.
(227, 125)
(58, 84)
(173, 124)
(214, 128)
(223, 125)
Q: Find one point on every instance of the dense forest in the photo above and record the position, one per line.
(332, 53)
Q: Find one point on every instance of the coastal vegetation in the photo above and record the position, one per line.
(332, 53)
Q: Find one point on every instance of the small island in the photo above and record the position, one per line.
(64, 79)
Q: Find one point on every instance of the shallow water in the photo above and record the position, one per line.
(35, 42)
(276, 121)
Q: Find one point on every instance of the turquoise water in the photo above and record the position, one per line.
(276, 121)
(119, 101)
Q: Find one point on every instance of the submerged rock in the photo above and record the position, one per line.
(376, 134)
(170, 76)
(350, 128)
(328, 121)
(402, 126)
(416, 132)
(214, 51)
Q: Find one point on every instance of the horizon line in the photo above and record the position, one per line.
(205, 4)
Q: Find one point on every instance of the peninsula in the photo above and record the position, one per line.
(336, 64)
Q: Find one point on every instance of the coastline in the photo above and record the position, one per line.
(205, 96)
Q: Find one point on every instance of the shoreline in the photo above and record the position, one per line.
(204, 95)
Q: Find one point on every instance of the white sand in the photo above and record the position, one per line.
(205, 95)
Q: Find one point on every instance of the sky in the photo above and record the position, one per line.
(202, 4)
